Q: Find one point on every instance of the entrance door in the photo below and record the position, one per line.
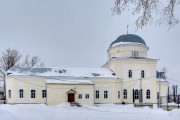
(71, 97)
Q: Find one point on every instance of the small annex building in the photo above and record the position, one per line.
(53, 86)
(128, 76)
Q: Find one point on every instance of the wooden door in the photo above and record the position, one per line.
(71, 97)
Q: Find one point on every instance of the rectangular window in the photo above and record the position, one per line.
(158, 95)
(132, 53)
(130, 73)
(87, 96)
(105, 94)
(118, 94)
(21, 93)
(80, 96)
(43, 93)
(33, 94)
(97, 94)
(135, 54)
(9, 92)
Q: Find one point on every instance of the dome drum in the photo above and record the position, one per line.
(128, 46)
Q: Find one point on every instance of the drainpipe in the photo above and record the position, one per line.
(4, 88)
(159, 92)
(46, 93)
(94, 93)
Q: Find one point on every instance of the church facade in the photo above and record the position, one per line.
(128, 77)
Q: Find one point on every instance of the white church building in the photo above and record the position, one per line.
(129, 77)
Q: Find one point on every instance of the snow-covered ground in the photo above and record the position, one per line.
(100, 112)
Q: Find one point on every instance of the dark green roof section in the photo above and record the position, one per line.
(40, 70)
(129, 38)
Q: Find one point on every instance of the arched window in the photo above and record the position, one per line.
(142, 74)
(148, 94)
(33, 94)
(21, 95)
(125, 94)
(136, 94)
(130, 73)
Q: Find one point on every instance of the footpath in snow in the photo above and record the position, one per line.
(86, 112)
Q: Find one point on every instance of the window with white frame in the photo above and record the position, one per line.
(148, 94)
(125, 94)
(142, 74)
(43, 93)
(33, 93)
(136, 94)
(21, 93)
(97, 94)
(105, 94)
(9, 93)
(118, 94)
(79, 96)
(87, 96)
(130, 73)
(135, 54)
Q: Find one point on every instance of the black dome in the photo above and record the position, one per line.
(128, 38)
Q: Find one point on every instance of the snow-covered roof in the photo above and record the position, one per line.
(124, 43)
(129, 59)
(60, 71)
(64, 81)
(162, 80)
(128, 38)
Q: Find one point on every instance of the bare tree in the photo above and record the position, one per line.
(32, 62)
(146, 9)
(9, 58)
(25, 63)
(164, 70)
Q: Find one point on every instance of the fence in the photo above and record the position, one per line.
(172, 102)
